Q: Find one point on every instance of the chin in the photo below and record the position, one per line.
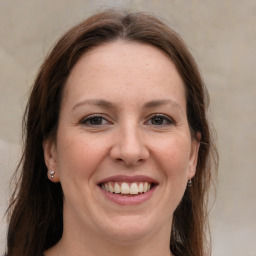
(129, 228)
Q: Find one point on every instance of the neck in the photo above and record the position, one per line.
(80, 243)
(79, 240)
(107, 248)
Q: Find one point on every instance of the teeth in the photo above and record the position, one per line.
(126, 188)
(117, 189)
(141, 187)
(111, 189)
(105, 186)
(134, 190)
(145, 187)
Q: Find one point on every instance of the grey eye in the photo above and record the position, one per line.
(159, 120)
(94, 120)
(98, 120)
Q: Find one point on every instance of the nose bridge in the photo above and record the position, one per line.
(130, 146)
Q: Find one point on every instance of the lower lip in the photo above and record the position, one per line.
(128, 200)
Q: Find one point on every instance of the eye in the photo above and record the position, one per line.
(94, 120)
(160, 120)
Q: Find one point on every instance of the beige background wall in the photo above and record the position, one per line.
(221, 35)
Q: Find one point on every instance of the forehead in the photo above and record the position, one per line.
(124, 68)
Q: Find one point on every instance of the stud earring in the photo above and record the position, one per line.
(52, 174)
(190, 180)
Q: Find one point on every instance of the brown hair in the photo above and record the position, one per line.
(36, 205)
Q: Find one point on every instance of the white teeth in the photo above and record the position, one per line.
(134, 190)
(125, 188)
(117, 189)
(106, 187)
(141, 187)
(146, 187)
(111, 189)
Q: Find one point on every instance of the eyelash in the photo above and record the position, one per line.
(166, 121)
(88, 119)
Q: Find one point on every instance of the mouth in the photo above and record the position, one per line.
(127, 188)
(127, 185)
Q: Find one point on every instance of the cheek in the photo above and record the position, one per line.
(78, 156)
(173, 159)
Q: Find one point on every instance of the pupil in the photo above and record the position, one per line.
(96, 121)
(157, 120)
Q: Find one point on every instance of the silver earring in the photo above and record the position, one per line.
(190, 181)
(52, 174)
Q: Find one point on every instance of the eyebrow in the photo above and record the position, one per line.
(109, 105)
(157, 103)
(97, 102)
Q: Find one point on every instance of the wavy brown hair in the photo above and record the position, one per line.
(35, 210)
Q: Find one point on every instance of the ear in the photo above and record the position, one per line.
(195, 144)
(50, 158)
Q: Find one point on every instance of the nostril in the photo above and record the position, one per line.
(129, 161)
(127, 154)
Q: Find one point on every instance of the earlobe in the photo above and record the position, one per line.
(195, 145)
(50, 158)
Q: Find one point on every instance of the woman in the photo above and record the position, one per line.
(118, 154)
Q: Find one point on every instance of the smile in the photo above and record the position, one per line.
(125, 188)
(128, 190)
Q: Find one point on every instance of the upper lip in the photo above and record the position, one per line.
(129, 179)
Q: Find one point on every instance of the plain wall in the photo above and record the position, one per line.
(221, 35)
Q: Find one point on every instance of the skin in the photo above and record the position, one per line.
(137, 81)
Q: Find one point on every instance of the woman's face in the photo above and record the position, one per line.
(123, 151)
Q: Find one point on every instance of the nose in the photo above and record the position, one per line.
(129, 146)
